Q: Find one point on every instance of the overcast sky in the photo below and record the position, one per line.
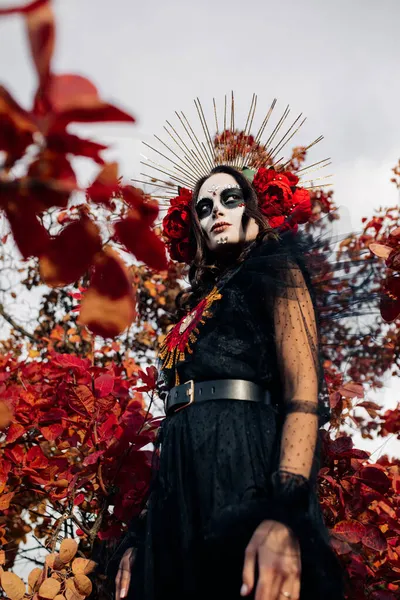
(336, 61)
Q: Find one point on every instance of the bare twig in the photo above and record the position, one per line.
(16, 326)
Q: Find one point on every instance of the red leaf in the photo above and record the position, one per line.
(69, 361)
(16, 125)
(104, 431)
(91, 459)
(41, 34)
(149, 378)
(104, 385)
(14, 432)
(36, 459)
(52, 432)
(32, 6)
(341, 444)
(102, 113)
(85, 402)
(142, 242)
(29, 234)
(109, 306)
(16, 455)
(70, 254)
(52, 415)
(352, 390)
(374, 478)
(79, 499)
(52, 180)
(67, 143)
(105, 184)
(349, 531)
(382, 595)
(144, 209)
(374, 539)
(66, 92)
(340, 546)
(5, 468)
(390, 305)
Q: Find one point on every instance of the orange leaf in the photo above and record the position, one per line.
(68, 549)
(49, 589)
(83, 584)
(5, 500)
(380, 250)
(83, 565)
(33, 578)
(5, 415)
(13, 586)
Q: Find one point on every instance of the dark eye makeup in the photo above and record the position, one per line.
(230, 197)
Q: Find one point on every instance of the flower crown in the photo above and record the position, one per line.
(284, 205)
(191, 156)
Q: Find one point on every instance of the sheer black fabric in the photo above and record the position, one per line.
(222, 467)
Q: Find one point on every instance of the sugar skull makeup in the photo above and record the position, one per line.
(220, 209)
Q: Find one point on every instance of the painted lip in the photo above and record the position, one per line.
(220, 226)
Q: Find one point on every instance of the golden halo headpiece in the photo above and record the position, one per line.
(185, 155)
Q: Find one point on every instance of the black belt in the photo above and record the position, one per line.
(181, 396)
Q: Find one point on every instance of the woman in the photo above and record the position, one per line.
(233, 510)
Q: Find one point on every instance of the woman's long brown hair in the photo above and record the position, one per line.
(205, 270)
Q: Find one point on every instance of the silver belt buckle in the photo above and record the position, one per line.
(189, 393)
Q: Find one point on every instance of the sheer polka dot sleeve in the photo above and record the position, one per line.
(297, 353)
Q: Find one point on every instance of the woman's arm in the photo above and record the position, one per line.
(274, 545)
(297, 352)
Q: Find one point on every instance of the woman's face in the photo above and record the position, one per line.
(220, 208)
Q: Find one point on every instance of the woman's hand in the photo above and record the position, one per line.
(279, 565)
(123, 578)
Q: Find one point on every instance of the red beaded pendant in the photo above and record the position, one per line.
(179, 339)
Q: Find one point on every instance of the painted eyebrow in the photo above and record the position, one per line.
(224, 192)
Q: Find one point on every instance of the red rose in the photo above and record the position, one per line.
(180, 250)
(303, 209)
(184, 198)
(273, 191)
(276, 221)
(283, 224)
(176, 223)
(263, 178)
(291, 177)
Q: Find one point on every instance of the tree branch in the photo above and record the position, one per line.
(16, 326)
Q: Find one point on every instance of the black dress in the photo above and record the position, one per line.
(215, 460)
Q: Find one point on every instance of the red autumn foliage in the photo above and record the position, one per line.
(73, 421)
(50, 180)
(71, 434)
